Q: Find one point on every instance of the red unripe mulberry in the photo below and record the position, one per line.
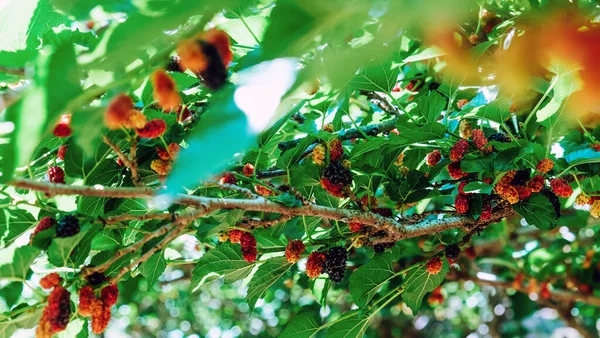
(355, 227)
(479, 139)
(51, 280)
(235, 236)
(228, 178)
(56, 175)
(100, 316)
(169, 153)
(109, 294)
(455, 171)
(57, 313)
(433, 158)
(248, 170)
(461, 202)
(544, 166)
(434, 265)
(153, 129)
(486, 211)
(314, 264)
(118, 112)
(165, 90)
(459, 150)
(62, 151)
(294, 250)
(336, 151)
(524, 192)
(536, 184)
(545, 291)
(561, 188)
(44, 224)
(248, 243)
(436, 297)
(86, 297)
(336, 190)
(63, 127)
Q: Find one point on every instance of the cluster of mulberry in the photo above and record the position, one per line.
(455, 171)
(165, 90)
(593, 201)
(208, 56)
(512, 186)
(335, 263)
(561, 188)
(436, 297)
(152, 129)
(433, 158)
(63, 127)
(458, 150)
(57, 313)
(434, 265)
(248, 243)
(314, 264)
(248, 170)
(62, 152)
(544, 165)
(44, 224)
(50, 280)
(336, 178)
(228, 178)
(164, 164)
(98, 308)
(56, 175)
(294, 250)
(465, 129)
(461, 203)
(68, 226)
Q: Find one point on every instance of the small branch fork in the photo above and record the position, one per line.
(130, 163)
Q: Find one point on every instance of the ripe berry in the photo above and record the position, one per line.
(499, 137)
(433, 158)
(381, 247)
(318, 154)
(170, 153)
(235, 236)
(544, 165)
(452, 251)
(173, 65)
(165, 90)
(161, 167)
(455, 171)
(62, 151)
(294, 250)
(314, 264)
(228, 178)
(536, 184)
(461, 203)
(553, 199)
(63, 127)
(248, 243)
(57, 313)
(215, 73)
(337, 174)
(44, 224)
(56, 175)
(521, 177)
(335, 263)
(434, 265)
(459, 150)
(96, 278)
(67, 226)
(153, 129)
(465, 129)
(109, 294)
(385, 212)
(86, 297)
(355, 227)
(118, 111)
(561, 188)
(479, 139)
(248, 170)
(51, 280)
(221, 41)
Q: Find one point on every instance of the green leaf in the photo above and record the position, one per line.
(108, 239)
(426, 54)
(21, 261)
(419, 282)
(13, 223)
(430, 107)
(11, 293)
(381, 78)
(68, 251)
(154, 267)
(478, 187)
(351, 327)
(106, 173)
(427, 132)
(81, 8)
(320, 289)
(225, 261)
(370, 277)
(303, 325)
(266, 275)
(537, 210)
(497, 111)
(26, 320)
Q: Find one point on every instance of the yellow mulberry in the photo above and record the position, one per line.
(223, 237)
(318, 154)
(347, 164)
(135, 120)
(465, 129)
(161, 167)
(403, 171)
(582, 199)
(399, 160)
(595, 210)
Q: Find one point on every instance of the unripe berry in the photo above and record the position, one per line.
(336, 151)
(262, 190)
(248, 243)
(100, 316)
(433, 158)
(57, 313)
(518, 281)
(235, 236)
(118, 111)
(56, 175)
(62, 151)
(318, 154)
(524, 192)
(486, 211)
(153, 129)
(169, 153)
(545, 291)
(595, 146)
(248, 170)
(109, 294)
(63, 127)
(465, 129)
(228, 178)
(595, 209)
(544, 166)
(44, 224)
(165, 90)
(136, 120)
(223, 237)
(355, 227)
(328, 127)
(314, 264)
(436, 297)
(434, 265)
(582, 199)
(461, 103)
(161, 167)
(561, 188)
(461, 203)
(294, 250)
(536, 184)
(459, 150)
(479, 139)
(86, 297)
(50, 280)
(336, 190)
(399, 160)
(455, 171)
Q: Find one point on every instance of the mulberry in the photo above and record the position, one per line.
(337, 174)
(63, 127)
(452, 251)
(595, 146)
(165, 90)
(44, 224)
(248, 170)
(235, 236)
(56, 175)
(314, 264)
(109, 294)
(553, 199)
(479, 139)
(561, 188)
(136, 120)
(544, 166)
(248, 243)
(461, 202)
(524, 192)
(434, 265)
(183, 113)
(57, 313)
(461, 103)
(399, 160)
(62, 151)
(595, 209)
(486, 211)
(318, 154)
(433, 158)
(86, 297)
(336, 151)
(223, 237)
(521, 177)
(335, 263)
(221, 41)
(215, 73)
(293, 251)
(545, 291)
(228, 178)
(153, 129)
(169, 153)
(517, 283)
(582, 199)
(369, 201)
(174, 66)
(355, 227)
(100, 316)
(67, 226)
(536, 184)
(455, 171)
(499, 137)
(336, 190)
(465, 129)
(381, 247)
(118, 111)
(436, 297)
(459, 150)
(461, 187)
(161, 167)
(507, 192)
(262, 190)
(50, 280)
(96, 278)
(328, 127)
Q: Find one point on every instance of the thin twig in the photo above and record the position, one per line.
(126, 161)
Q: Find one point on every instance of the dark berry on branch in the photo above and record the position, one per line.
(499, 137)
(452, 251)
(335, 263)
(67, 226)
(521, 177)
(381, 247)
(215, 74)
(336, 173)
(96, 278)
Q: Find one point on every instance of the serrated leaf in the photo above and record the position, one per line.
(381, 77)
(13, 223)
(67, 251)
(426, 132)
(303, 325)
(22, 259)
(25, 320)
(368, 278)
(268, 273)
(537, 210)
(106, 173)
(225, 261)
(430, 107)
(419, 282)
(352, 327)
(497, 111)
(478, 187)
(154, 267)
(426, 54)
